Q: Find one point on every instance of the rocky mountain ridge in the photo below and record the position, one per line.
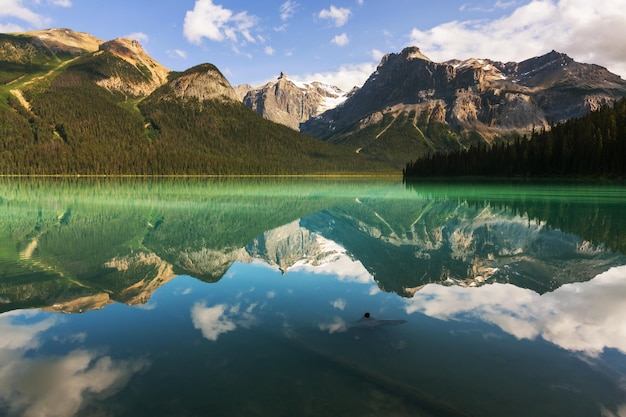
(440, 106)
(482, 93)
(132, 52)
(410, 106)
(291, 103)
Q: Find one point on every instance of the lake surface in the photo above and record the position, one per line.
(233, 297)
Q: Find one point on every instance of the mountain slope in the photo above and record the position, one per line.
(228, 137)
(68, 109)
(470, 101)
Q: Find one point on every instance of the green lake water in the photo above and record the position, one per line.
(246, 297)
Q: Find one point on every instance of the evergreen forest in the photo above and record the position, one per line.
(593, 146)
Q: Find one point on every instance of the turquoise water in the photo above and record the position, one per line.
(196, 297)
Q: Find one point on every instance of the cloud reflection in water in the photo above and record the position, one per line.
(32, 384)
(586, 317)
(220, 319)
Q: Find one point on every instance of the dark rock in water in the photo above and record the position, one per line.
(367, 321)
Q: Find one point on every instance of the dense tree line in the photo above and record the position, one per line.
(590, 146)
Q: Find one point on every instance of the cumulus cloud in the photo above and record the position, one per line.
(345, 77)
(339, 304)
(377, 54)
(339, 15)
(584, 30)
(287, 10)
(584, 317)
(269, 50)
(341, 40)
(15, 13)
(216, 23)
(15, 9)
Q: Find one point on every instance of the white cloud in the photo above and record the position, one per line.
(178, 53)
(269, 50)
(584, 30)
(341, 40)
(584, 317)
(138, 36)
(214, 22)
(345, 77)
(339, 15)
(287, 10)
(20, 11)
(14, 9)
(377, 54)
(339, 304)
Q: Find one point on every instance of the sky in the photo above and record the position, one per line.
(339, 42)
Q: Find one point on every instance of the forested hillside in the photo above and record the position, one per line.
(61, 114)
(590, 146)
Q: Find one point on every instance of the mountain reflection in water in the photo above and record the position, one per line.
(251, 284)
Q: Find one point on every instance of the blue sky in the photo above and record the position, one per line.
(336, 41)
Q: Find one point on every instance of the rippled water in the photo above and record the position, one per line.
(198, 297)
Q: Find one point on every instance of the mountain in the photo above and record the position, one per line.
(73, 104)
(290, 102)
(131, 51)
(411, 106)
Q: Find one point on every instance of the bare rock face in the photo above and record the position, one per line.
(477, 94)
(291, 103)
(203, 82)
(130, 50)
(242, 89)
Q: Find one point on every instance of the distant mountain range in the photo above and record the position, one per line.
(411, 106)
(71, 103)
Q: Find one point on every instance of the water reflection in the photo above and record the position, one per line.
(585, 317)
(57, 384)
(209, 297)
(221, 318)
